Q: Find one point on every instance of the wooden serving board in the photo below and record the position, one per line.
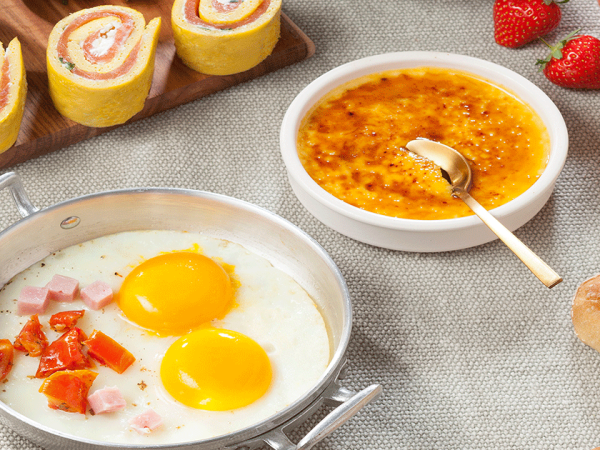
(44, 130)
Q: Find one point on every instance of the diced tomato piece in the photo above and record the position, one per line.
(108, 352)
(65, 319)
(67, 390)
(65, 353)
(32, 339)
(6, 358)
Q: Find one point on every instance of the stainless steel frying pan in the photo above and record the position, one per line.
(288, 248)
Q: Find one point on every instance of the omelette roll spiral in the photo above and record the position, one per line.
(13, 91)
(222, 37)
(100, 64)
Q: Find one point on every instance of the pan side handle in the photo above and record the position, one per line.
(340, 415)
(349, 403)
(12, 181)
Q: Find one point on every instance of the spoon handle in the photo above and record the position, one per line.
(539, 268)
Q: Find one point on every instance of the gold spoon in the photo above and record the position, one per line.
(459, 176)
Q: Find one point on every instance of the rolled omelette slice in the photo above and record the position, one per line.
(222, 37)
(13, 91)
(100, 64)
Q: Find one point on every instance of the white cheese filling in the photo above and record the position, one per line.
(106, 40)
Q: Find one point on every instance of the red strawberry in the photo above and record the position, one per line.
(574, 62)
(517, 22)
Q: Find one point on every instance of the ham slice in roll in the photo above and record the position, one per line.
(222, 37)
(13, 91)
(100, 64)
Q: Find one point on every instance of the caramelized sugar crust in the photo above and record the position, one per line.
(351, 142)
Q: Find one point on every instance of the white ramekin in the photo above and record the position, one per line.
(409, 234)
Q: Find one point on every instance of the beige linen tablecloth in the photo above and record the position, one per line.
(472, 351)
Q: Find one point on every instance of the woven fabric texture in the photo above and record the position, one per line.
(471, 350)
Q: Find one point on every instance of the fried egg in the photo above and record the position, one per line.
(176, 292)
(257, 344)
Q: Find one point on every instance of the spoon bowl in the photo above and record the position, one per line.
(455, 165)
(458, 174)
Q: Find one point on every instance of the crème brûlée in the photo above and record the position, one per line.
(352, 142)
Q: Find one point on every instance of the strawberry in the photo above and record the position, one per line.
(574, 62)
(517, 22)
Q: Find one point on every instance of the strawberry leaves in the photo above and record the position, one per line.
(556, 50)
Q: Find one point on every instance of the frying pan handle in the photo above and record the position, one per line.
(339, 416)
(348, 404)
(12, 181)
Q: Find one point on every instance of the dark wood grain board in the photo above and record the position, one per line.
(44, 130)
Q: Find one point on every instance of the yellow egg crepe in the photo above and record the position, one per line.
(219, 37)
(13, 91)
(100, 64)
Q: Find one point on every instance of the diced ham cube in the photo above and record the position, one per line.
(146, 422)
(32, 300)
(63, 289)
(97, 295)
(106, 400)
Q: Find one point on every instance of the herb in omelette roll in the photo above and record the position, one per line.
(223, 37)
(13, 91)
(100, 64)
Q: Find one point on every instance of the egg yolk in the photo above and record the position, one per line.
(216, 370)
(175, 293)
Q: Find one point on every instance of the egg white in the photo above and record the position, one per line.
(272, 309)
